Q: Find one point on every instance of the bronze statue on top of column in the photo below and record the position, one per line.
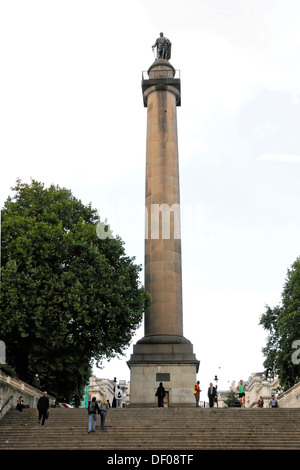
(163, 47)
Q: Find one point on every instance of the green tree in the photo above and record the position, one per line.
(231, 400)
(283, 324)
(67, 296)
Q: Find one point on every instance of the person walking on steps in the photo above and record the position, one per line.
(93, 409)
(103, 407)
(241, 389)
(43, 408)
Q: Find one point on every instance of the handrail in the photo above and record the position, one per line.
(6, 403)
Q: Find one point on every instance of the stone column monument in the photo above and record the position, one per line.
(163, 354)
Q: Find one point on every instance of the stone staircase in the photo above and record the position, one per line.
(155, 429)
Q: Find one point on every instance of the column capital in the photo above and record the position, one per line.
(161, 78)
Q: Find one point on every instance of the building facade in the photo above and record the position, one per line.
(106, 387)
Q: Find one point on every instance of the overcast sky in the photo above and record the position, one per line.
(72, 114)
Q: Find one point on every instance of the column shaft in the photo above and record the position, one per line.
(163, 278)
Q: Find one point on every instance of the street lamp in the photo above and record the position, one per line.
(216, 380)
(114, 398)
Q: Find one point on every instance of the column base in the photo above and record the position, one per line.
(163, 358)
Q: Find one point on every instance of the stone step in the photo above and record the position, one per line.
(172, 428)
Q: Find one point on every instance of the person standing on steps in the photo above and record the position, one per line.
(160, 394)
(103, 407)
(197, 393)
(241, 389)
(211, 393)
(43, 408)
(92, 412)
(273, 402)
(118, 397)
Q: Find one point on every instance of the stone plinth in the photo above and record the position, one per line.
(180, 392)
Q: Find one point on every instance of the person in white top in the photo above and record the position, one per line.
(118, 397)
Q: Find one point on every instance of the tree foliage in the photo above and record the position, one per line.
(231, 400)
(283, 324)
(67, 296)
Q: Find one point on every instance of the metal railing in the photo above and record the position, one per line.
(158, 73)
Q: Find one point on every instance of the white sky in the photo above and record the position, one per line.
(72, 114)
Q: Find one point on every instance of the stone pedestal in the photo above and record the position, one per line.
(145, 379)
(168, 359)
(163, 355)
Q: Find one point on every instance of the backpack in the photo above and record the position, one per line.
(92, 407)
(103, 407)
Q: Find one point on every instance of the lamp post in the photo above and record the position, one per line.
(114, 398)
(216, 380)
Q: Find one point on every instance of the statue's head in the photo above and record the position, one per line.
(161, 34)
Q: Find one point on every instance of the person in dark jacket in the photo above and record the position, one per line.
(211, 393)
(93, 409)
(160, 394)
(43, 408)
